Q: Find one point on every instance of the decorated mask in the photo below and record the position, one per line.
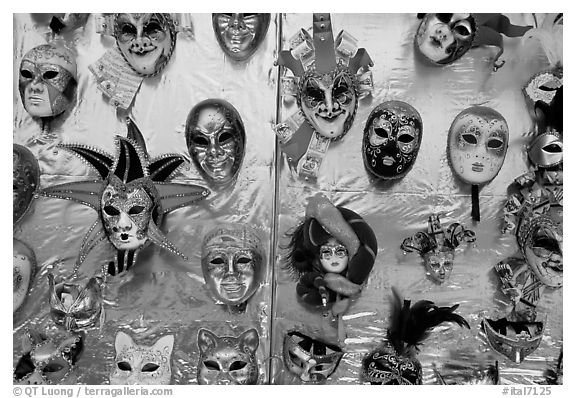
(216, 140)
(140, 364)
(394, 361)
(25, 180)
(47, 80)
(227, 360)
(61, 23)
(310, 359)
(48, 360)
(330, 76)
(513, 339)
(239, 35)
(24, 268)
(547, 150)
(437, 246)
(392, 139)
(131, 197)
(75, 307)
(146, 41)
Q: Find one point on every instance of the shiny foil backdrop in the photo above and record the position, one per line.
(166, 294)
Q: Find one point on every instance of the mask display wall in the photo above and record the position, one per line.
(141, 364)
(23, 272)
(240, 35)
(25, 181)
(228, 360)
(216, 140)
(392, 138)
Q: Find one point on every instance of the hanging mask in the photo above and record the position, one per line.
(227, 360)
(140, 364)
(477, 145)
(547, 150)
(75, 307)
(232, 263)
(513, 339)
(216, 140)
(310, 359)
(131, 197)
(146, 41)
(48, 360)
(443, 38)
(25, 180)
(239, 35)
(437, 246)
(47, 80)
(392, 138)
(61, 23)
(23, 271)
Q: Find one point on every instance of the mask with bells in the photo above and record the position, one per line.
(227, 360)
(47, 80)
(392, 138)
(216, 140)
(240, 35)
(146, 41)
(48, 360)
(25, 180)
(140, 364)
(310, 359)
(23, 271)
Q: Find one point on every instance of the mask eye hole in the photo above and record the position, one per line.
(51, 74)
(52, 368)
(244, 260)
(153, 28)
(445, 18)
(314, 96)
(26, 74)
(201, 141)
(225, 136)
(237, 365)
(552, 148)
(217, 261)
(381, 132)
(128, 30)
(136, 210)
(470, 138)
(405, 138)
(125, 366)
(341, 252)
(111, 210)
(150, 367)
(212, 365)
(463, 29)
(342, 93)
(495, 143)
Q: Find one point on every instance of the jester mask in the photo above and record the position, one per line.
(240, 35)
(25, 180)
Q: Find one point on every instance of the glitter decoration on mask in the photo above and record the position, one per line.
(240, 35)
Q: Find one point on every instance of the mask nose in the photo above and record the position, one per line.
(214, 149)
(124, 223)
(37, 85)
(237, 21)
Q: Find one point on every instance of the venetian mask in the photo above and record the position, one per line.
(23, 270)
(139, 364)
(513, 339)
(239, 35)
(392, 139)
(48, 360)
(310, 359)
(25, 180)
(329, 101)
(477, 144)
(439, 264)
(47, 80)
(232, 257)
(333, 256)
(216, 139)
(547, 150)
(145, 40)
(227, 360)
(385, 366)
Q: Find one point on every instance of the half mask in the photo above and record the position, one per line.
(513, 339)
(141, 364)
(240, 35)
(25, 180)
(23, 271)
(227, 360)
(216, 140)
(392, 138)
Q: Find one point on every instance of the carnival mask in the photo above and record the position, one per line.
(145, 40)
(310, 359)
(547, 150)
(385, 366)
(47, 80)
(227, 360)
(48, 360)
(439, 264)
(139, 364)
(24, 267)
(333, 256)
(232, 263)
(392, 139)
(74, 307)
(25, 180)
(239, 35)
(216, 140)
(515, 340)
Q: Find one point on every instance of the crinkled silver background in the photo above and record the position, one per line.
(166, 294)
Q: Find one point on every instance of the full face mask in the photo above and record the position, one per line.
(25, 180)
(239, 35)
(23, 271)
(216, 140)
(392, 138)
(146, 41)
(47, 80)
(312, 360)
(140, 364)
(232, 263)
(131, 197)
(227, 360)
(48, 360)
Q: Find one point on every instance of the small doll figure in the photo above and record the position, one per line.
(332, 252)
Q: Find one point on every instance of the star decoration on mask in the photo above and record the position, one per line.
(131, 197)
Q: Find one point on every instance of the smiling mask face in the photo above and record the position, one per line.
(239, 35)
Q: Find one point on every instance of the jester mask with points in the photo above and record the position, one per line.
(240, 35)
(131, 197)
